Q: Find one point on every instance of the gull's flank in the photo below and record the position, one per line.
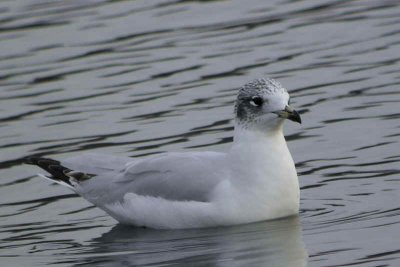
(255, 180)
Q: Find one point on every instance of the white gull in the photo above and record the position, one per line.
(255, 180)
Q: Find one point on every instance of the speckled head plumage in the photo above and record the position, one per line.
(263, 102)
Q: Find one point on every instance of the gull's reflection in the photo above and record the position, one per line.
(272, 243)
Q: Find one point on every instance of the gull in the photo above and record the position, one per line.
(255, 180)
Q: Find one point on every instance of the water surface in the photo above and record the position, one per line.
(137, 78)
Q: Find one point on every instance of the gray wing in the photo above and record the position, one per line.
(175, 176)
(97, 164)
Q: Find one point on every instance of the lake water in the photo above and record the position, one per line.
(136, 78)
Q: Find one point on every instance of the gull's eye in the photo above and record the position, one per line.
(256, 101)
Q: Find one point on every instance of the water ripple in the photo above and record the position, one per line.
(138, 78)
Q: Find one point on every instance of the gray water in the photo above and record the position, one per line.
(136, 78)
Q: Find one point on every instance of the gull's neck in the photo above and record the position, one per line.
(249, 139)
(261, 155)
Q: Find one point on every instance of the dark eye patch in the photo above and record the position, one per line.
(256, 101)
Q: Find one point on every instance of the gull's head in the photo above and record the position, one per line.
(263, 104)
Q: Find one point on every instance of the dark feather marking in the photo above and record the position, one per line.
(57, 171)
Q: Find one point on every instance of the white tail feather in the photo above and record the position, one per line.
(56, 181)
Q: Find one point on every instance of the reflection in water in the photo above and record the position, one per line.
(274, 243)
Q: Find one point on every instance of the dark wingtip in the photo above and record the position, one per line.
(57, 171)
(40, 161)
(30, 160)
(52, 166)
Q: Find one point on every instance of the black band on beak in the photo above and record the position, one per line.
(294, 116)
(289, 113)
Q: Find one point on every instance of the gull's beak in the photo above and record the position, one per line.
(289, 113)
